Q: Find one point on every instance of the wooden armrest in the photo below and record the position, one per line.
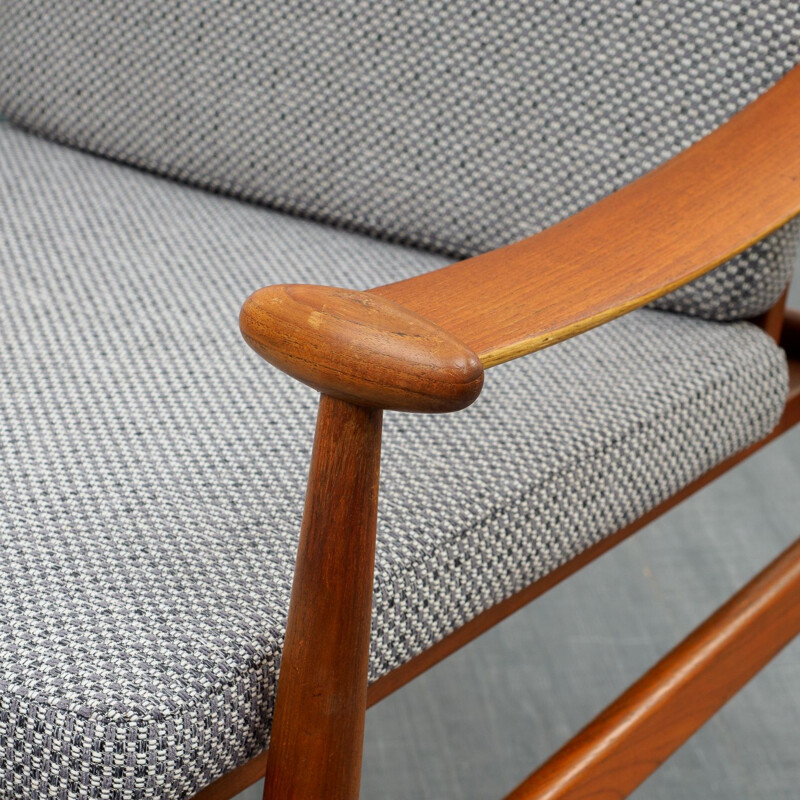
(361, 348)
(421, 344)
(670, 226)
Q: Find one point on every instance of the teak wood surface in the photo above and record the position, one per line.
(694, 212)
(318, 724)
(361, 348)
(415, 345)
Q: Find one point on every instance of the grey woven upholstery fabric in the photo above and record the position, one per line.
(153, 469)
(456, 126)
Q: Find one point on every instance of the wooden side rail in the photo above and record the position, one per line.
(642, 728)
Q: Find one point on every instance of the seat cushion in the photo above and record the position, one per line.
(154, 469)
(444, 125)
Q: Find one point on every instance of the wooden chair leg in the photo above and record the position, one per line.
(630, 739)
(318, 725)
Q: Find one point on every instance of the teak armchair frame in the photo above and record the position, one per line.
(422, 345)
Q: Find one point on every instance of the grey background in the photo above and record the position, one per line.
(478, 723)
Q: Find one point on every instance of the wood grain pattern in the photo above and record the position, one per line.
(627, 742)
(318, 725)
(670, 226)
(361, 348)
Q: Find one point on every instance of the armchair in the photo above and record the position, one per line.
(366, 355)
(620, 181)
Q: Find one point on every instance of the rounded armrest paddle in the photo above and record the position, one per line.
(361, 347)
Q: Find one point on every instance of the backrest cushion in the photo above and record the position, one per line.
(448, 124)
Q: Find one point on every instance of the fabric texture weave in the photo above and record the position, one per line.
(154, 469)
(450, 125)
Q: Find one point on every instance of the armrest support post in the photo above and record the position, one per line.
(318, 725)
(364, 354)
